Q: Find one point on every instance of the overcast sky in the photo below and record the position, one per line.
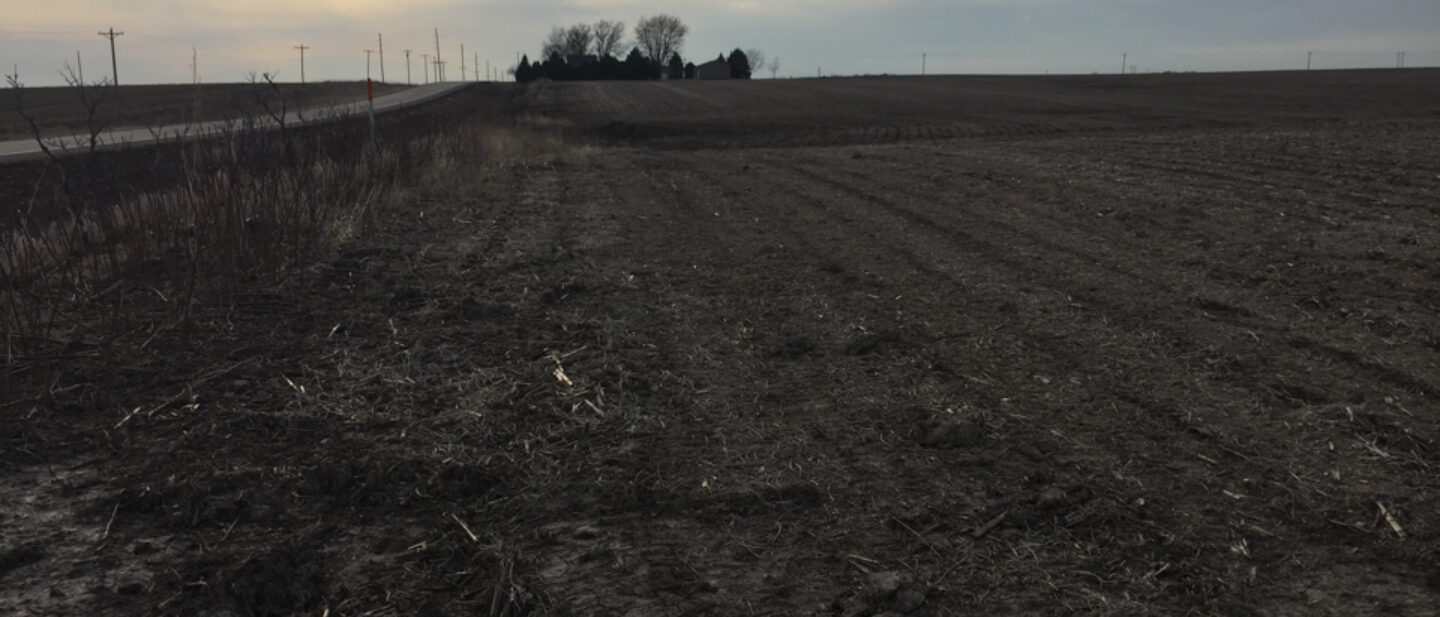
(235, 37)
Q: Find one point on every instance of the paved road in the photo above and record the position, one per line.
(27, 149)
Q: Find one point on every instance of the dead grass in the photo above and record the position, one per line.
(250, 206)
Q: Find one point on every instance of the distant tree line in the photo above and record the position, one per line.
(584, 52)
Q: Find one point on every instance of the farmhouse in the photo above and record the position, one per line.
(714, 69)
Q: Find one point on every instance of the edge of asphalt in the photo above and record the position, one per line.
(22, 150)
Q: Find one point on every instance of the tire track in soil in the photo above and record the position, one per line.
(1131, 196)
(917, 479)
(1311, 351)
(871, 200)
(1046, 234)
(688, 192)
(681, 514)
(912, 262)
(1265, 180)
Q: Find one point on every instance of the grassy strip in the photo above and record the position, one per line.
(249, 206)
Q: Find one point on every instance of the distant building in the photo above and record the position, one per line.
(714, 69)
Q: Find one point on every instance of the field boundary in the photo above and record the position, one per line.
(21, 150)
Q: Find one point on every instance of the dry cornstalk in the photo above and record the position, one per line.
(472, 535)
(1390, 519)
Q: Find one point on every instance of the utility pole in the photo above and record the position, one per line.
(923, 58)
(114, 69)
(407, 68)
(1399, 59)
(462, 63)
(367, 63)
(1309, 55)
(425, 64)
(1124, 61)
(302, 48)
(194, 65)
(477, 66)
(438, 64)
(439, 71)
(80, 67)
(380, 38)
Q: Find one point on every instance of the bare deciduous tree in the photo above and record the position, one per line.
(578, 39)
(774, 67)
(609, 37)
(554, 44)
(756, 59)
(660, 37)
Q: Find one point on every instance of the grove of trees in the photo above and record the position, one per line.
(592, 52)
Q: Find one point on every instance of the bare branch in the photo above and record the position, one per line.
(660, 37)
(756, 59)
(609, 38)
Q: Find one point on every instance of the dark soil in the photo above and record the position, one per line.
(1167, 357)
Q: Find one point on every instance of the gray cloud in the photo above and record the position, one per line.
(843, 36)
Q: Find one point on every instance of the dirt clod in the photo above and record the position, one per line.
(888, 592)
(946, 433)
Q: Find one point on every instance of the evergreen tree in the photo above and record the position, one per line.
(524, 73)
(739, 65)
(676, 67)
(637, 66)
(555, 68)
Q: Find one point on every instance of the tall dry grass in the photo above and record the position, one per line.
(250, 204)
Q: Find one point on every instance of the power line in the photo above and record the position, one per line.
(302, 49)
(114, 68)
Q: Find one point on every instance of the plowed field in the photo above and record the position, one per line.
(1160, 345)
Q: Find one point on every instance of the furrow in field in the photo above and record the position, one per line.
(1074, 202)
(1038, 228)
(1081, 281)
(1226, 375)
(913, 295)
(1117, 357)
(1301, 178)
